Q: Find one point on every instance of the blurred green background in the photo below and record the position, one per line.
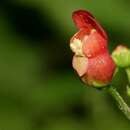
(38, 87)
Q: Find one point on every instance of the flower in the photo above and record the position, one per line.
(121, 56)
(91, 58)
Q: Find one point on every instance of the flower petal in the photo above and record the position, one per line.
(80, 65)
(84, 19)
(101, 68)
(94, 44)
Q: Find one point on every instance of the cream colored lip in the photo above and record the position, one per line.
(80, 64)
(76, 47)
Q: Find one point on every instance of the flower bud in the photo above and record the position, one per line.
(121, 56)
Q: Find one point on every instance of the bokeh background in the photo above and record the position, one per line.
(38, 88)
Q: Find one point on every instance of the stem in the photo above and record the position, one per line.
(122, 105)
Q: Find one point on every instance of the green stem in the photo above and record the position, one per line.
(122, 105)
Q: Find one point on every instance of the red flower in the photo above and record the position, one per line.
(91, 60)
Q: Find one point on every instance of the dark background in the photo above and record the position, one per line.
(38, 87)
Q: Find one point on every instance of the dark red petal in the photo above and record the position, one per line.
(84, 19)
